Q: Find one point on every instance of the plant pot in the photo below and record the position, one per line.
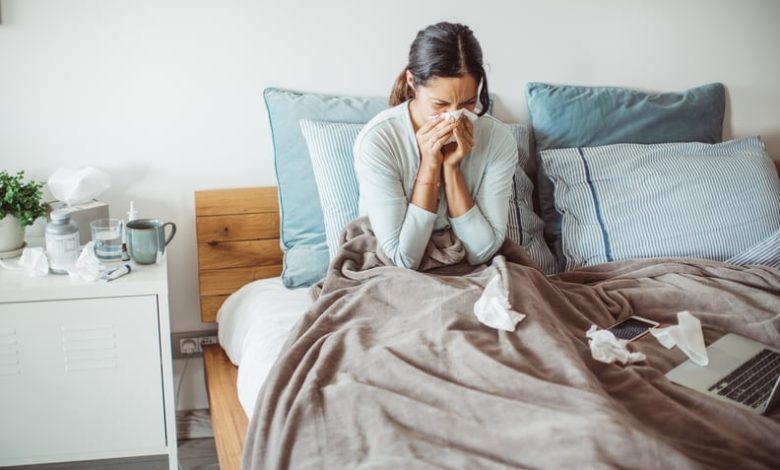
(11, 234)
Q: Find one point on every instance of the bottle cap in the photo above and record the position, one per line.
(132, 214)
(59, 216)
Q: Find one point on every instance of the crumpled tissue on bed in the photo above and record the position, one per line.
(455, 115)
(33, 260)
(493, 308)
(687, 335)
(606, 348)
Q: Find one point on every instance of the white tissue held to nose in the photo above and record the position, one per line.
(454, 116)
(493, 308)
(606, 348)
(457, 114)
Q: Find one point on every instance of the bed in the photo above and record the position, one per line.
(238, 242)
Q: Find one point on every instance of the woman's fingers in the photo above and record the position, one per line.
(430, 124)
(430, 134)
(439, 143)
(445, 129)
(439, 133)
(444, 124)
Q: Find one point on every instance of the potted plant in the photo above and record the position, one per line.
(20, 204)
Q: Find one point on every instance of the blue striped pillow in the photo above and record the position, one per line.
(627, 201)
(330, 148)
(566, 116)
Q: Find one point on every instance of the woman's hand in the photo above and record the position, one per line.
(431, 138)
(454, 152)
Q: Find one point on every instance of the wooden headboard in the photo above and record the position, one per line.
(238, 242)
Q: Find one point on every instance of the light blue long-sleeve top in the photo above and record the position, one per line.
(386, 163)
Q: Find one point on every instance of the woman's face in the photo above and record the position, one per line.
(442, 94)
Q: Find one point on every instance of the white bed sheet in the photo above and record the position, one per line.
(254, 322)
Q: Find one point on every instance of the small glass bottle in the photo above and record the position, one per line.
(62, 242)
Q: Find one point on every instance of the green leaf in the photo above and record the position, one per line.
(21, 199)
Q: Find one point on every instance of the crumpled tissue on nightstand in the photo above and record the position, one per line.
(606, 348)
(33, 260)
(687, 335)
(493, 308)
(87, 268)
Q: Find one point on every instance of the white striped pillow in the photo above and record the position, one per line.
(330, 148)
(525, 227)
(628, 201)
(764, 253)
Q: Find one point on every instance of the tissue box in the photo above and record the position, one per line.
(82, 214)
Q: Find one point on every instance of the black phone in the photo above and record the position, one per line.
(632, 327)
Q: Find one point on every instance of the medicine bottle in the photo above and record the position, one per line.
(62, 242)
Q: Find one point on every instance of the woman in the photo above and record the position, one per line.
(412, 182)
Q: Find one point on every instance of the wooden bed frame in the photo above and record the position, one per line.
(238, 242)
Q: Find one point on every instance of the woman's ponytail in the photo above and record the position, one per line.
(401, 90)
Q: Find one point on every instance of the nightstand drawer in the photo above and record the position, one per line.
(80, 378)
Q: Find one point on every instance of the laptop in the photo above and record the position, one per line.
(741, 371)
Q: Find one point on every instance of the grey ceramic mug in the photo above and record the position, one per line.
(146, 239)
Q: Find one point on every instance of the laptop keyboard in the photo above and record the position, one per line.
(752, 382)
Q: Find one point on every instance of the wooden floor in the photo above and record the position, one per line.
(197, 450)
(194, 454)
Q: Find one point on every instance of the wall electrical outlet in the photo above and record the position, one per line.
(190, 343)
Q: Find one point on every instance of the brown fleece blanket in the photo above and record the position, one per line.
(391, 369)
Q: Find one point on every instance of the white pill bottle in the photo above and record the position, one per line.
(62, 242)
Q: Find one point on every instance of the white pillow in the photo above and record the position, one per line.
(260, 313)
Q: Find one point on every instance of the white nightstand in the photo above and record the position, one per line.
(85, 368)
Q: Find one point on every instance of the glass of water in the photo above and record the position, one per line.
(107, 235)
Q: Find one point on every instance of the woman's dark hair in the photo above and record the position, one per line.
(442, 50)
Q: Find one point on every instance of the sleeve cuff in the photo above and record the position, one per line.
(465, 218)
(413, 239)
(421, 215)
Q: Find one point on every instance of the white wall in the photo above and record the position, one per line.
(165, 94)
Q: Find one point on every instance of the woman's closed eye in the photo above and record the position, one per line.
(443, 105)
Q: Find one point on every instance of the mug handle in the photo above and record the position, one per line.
(173, 232)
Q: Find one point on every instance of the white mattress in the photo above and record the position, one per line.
(253, 325)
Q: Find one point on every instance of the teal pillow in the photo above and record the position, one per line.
(565, 116)
(302, 230)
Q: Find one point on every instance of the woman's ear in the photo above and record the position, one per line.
(409, 79)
